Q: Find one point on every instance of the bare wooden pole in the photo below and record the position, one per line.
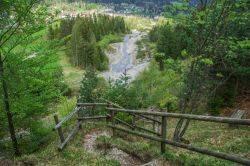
(133, 121)
(108, 116)
(188, 116)
(59, 129)
(163, 133)
(93, 110)
(221, 155)
(78, 115)
(67, 118)
(92, 117)
(147, 117)
(91, 104)
(64, 143)
(113, 121)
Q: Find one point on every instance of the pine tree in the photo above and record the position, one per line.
(88, 86)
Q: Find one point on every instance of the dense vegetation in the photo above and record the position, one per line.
(214, 44)
(200, 63)
(30, 74)
(202, 41)
(198, 55)
(87, 37)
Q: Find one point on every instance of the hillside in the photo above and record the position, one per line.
(124, 83)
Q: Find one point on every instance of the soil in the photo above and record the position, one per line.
(241, 103)
(124, 158)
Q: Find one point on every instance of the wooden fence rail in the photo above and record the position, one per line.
(67, 118)
(162, 139)
(110, 115)
(187, 116)
(221, 155)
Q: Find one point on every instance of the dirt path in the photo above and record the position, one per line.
(123, 57)
(124, 158)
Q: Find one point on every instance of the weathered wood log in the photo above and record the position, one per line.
(149, 118)
(135, 126)
(238, 114)
(220, 155)
(67, 118)
(108, 115)
(147, 130)
(60, 148)
(93, 110)
(124, 123)
(91, 104)
(112, 117)
(114, 104)
(59, 129)
(92, 117)
(188, 116)
(163, 133)
(133, 121)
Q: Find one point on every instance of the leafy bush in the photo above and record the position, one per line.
(40, 135)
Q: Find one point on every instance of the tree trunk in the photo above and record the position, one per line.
(6, 103)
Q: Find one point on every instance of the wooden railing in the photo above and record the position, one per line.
(160, 118)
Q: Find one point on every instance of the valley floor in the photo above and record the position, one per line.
(122, 57)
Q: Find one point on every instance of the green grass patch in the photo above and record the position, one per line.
(111, 38)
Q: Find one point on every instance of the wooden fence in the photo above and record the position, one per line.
(157, 118)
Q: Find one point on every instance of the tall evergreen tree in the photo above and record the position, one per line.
(88, 86)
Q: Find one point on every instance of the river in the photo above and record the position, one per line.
(123, 57)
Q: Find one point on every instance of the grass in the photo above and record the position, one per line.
(214, 136)
(72, 75)
(75, 7)
(143, 23)
(136, 146)
(209, 135)
(111, 38)
(139, 23)
(145, 48)
(74, 154)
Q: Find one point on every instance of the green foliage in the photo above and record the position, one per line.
(88, 86)
(116, 90)
(108, 39)
(144, 48)
(35, 80)
(66, 106)
(90, 35)
(155, 88)
(151, 88)
(31, 73)
(219, 59)
(171, 40)
(41, 134)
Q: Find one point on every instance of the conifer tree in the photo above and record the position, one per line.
(88, 86)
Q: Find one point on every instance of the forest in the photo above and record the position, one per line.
(193, 60)
(83, 38)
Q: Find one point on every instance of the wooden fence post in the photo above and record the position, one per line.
(153, 123)
(60, 133)
(113, 121)
(78, 115)
(133, 121)
(107, 119)
(163, 133)
(93, 110)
